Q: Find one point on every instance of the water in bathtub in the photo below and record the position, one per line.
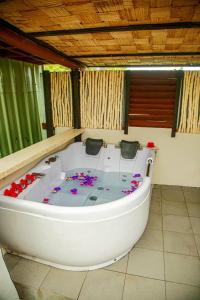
(85, 187)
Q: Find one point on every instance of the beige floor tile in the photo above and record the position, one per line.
(155, 206)
(64, 283)
(151, 239)
(197, 239)
(190, 189)
(178, 242)
(155, 221)
(140, 288)
(147, 263)
(119, 266)
(156, 194)
(193, 209)
(28, 293)
(29, 273)
(174, 208)
(192, 196)
(46, 295)
(11, 260)
(177, 291)
(177, 223)
(171, 187)
(195, 224)
(156, 186)
(102, 285)
(182, 269)
(173, 195)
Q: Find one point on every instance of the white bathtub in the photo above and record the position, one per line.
(77, 238)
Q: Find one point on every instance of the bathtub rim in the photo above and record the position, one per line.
(9, 202)
(96, 220)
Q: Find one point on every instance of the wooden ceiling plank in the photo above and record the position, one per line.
(142, 54)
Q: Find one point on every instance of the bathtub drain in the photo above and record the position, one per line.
(93, 198)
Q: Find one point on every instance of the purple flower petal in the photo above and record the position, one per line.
(137, 175)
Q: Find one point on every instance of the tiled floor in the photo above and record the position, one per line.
(164, 265)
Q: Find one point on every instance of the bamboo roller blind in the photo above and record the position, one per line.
(61, 99)
(101, 97)
(190, 109)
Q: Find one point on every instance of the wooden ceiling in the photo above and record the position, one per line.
(111, 32)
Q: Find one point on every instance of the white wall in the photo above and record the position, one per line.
(178, 159)
(7, 288)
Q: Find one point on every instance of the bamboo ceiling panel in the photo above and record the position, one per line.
(168, 40)
(130, 60)
(43, 15)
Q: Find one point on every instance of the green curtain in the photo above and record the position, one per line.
(19, 116)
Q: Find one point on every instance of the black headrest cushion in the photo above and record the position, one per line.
(93, 146)
(129, 149)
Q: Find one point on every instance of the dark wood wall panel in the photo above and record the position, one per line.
(152, 98)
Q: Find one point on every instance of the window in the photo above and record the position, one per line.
(152, 98)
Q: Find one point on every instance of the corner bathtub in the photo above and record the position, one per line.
(76, 237)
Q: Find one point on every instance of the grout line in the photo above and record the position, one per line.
(195, 234)
(163, 280)
(179, 231)
(82, 285)
(128, 259)
(145, 277)
(125, 277)
(123, 286)
(45, 276)
(192, 230)
(165, 289)
(140, 247)
(16, 263)
(188, 209)
(113, 271)
(164, 251)
(150, 249)
(181, 254)
(176, 215)
(163, 247)
(197, 286)
(190, 233)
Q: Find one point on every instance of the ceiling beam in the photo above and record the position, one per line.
(18, 39)
(143, 66)
(138, 54)
(135, 27)
(29, 59)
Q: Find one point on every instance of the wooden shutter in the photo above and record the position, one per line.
(152, 98)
